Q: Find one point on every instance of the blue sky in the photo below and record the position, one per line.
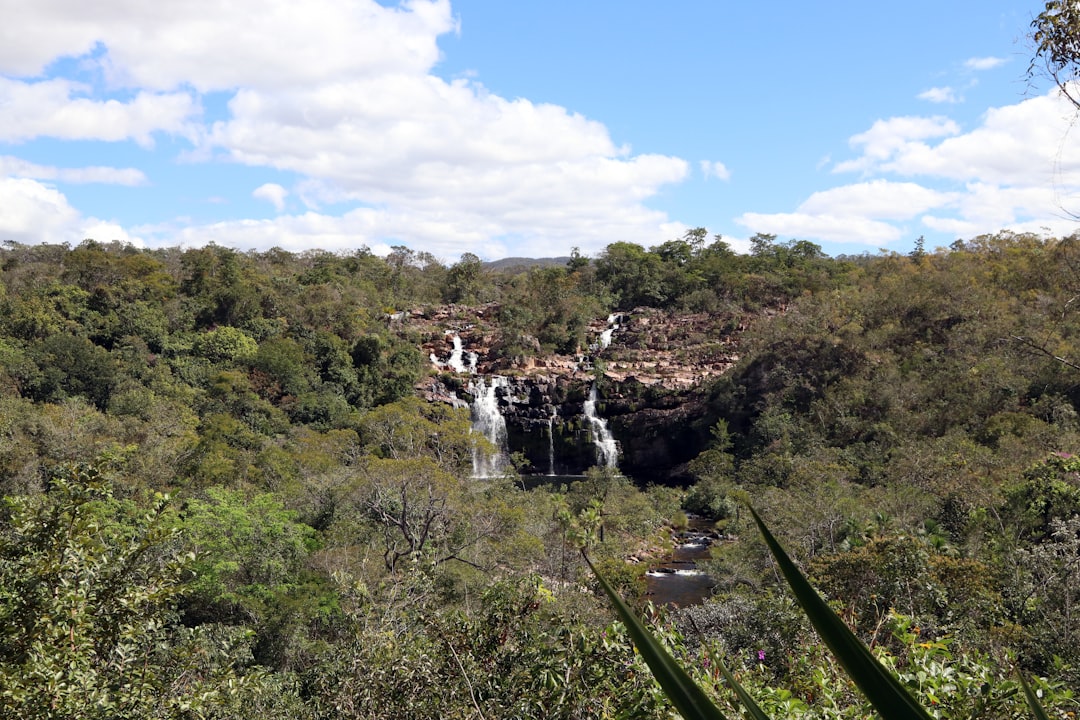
(526, 127)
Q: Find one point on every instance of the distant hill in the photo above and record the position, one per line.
(520, 264)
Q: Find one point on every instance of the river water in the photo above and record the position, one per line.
(677, 580)
(672, 580)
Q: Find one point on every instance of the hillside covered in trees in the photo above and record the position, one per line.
(231, 492)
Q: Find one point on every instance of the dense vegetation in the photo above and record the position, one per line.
(223, 498)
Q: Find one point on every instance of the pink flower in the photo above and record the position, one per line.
(761, 655)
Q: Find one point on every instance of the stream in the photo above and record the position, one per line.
(673, 580)
(676, 580)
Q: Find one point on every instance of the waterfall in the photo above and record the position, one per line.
(614, 322)
(455, 361)
(607, 452)
(489, 422)
(551, 440)
(455, 357)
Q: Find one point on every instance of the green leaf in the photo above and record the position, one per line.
(891, 699)
(689, 699)
(1033, 701)
(752, 709)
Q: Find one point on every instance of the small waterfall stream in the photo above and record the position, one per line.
(607, 452)
(551, 440)
(489, 422)
(455, 357)
(456, 361)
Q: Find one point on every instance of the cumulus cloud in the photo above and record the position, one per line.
(878, 199)
(435, 150)
(940, 95)
(16, 167)
(886, 138)
(272, 193)
(984, 63)
(1019, 169)
(716, 169)
(341, 94)
(55, 108)
(1025, 143)
(221, 46)
(34, 212)
(852, 213)
(835, 228)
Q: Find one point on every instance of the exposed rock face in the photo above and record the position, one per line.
(648, 367)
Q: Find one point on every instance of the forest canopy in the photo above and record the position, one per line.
(225, 497)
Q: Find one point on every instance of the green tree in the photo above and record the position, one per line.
(88, 629)
(1056, 34)
(463, 280)
(248, 552)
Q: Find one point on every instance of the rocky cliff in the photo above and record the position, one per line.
(648, 368)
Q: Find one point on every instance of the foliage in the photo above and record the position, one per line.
(1056, 34)
(87, 621)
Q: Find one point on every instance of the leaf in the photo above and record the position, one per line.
(1033, 701)
(752, 709)
(689, 699)
(890, 698)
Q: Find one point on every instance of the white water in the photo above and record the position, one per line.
(614, 322)
(607, 452)
(488, 421)
(456, 362)
(551, 440)
(455, 357)
(677, 573)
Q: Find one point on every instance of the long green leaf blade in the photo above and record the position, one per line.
(752, 708)
(1033, 701)
(891, 699)
(689, 699)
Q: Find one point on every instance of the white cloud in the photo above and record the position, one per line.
(54, 108)
(716, 169)
(272, 193)
(1026, 143)
(16, 167)
(446, 234)
(31, 212)
(940, 95)
(984, 63)
(340, 93)
(852, 213)
(833, 228)
(886, 138)
(878, 199)
(1019, 169)
(434, 150)
(219, 46)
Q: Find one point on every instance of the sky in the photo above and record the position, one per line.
(527, 128)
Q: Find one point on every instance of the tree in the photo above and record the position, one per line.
(88, 628)
(463, 280)
(1056, 33)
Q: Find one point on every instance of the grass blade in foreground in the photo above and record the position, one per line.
(891, 699)
(1033, 701)
(752, 709)
(689, 699)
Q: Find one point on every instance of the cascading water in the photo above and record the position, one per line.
(607, 452)
(456, 360)
(488, 421)
(551, 440)
(455, 357)
(614, 322)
